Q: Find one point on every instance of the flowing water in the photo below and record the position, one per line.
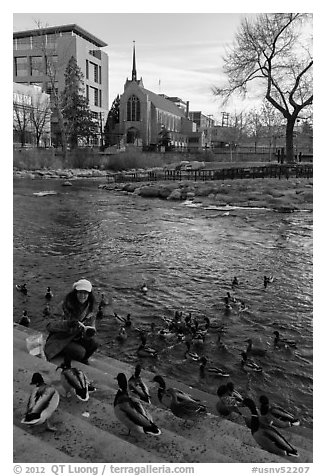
(188, 257)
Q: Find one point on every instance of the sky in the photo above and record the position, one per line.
(177, 54)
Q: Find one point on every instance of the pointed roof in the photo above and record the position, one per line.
(134, 72)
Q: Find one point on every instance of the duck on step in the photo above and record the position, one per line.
(165, 398)
(42, 403)
(137, 387)
(275, 415)
(268, 437)
(74, 381)
(130, 412)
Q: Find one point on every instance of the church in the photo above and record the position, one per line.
(145, 118)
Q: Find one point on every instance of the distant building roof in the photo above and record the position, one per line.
(161, 103)
(58, 29)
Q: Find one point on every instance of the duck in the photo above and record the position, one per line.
(234, 393)
(136, 386)
(189, 354)
(25, 320)
(165, 334)
(145, 351)
(198, 339)
(144, 288)
(226, 404)
(249, 364)
(184, 408)
(125, 321)
(268, 437)
(122, 336)
(48, 294)
(103, 301)
(100, 313)
(242, 307)
(47, 310)
(42, 403)
(281, 342)
(130, 412)
(230, 298)
(22, 288)
(74, 381)
(235, 282)
(268, 280)
(255, 350)
(214, 371)
(165, 399)
(275, 415)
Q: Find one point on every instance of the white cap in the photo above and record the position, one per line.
(83, 285)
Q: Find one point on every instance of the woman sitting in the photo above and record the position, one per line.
(73, 335)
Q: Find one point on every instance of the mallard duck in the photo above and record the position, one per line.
(242, 307)
(144, 288)
(268, 280)
(276, 415)
(42, 402)
(213, 371)
(74, 381)
(220, 345)
(136, 386)
(165, 334)
(235, 281)
(144, 350)
(48, 294)
(103, 301)
(234, 393)
(226, 404)
(267, 436)
(25, 320)
(47, 311)
(184, 407)
(122, 336)
(165, 398)
(230, 298)
(190, 355)
(281, 342)
(255, 350)
(249, 364)
(100, 313)
(22, 288)
(198, 339)
(130, 412)
(124, 321)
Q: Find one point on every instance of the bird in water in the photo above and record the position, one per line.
(22, 288)
(144, 350)
(275, 415)
(189, 354)
(103, 301)
(124, 321)
(235, 282)
(42, 402)
(122, 336)
(74, 381)
(25, 320)
(137, 387)
(213, 371)
(165, 398)
(268, 280)
(47, 310)
(220, 345)
(249, 364)
(48, 294)
(255, 350)
(282, 342)
(144, 288)
(100, 313)
(267, 436)
(130, 412)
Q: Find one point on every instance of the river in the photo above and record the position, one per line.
(188, 257)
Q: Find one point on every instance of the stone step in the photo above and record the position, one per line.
(107, 387)
(24, 442)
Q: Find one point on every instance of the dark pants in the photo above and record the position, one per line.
(80, 350)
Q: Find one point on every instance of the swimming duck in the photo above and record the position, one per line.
(145, 351)
(74, 381)
(226, 404)
(165, 334)
(48, 294)
(191, 355)
(121, 320)
(255, 350)
(214, 371)
(122, 336)
(144, 288)
(235, 282)
(103, 301)
(242, 307)
(249, 364)
(165, 398)
(276, 415)
(130, 412)
(136, 386)
(25, 320)
(230, 298)
(46, 310)
(184, 408)
(22, 288)
(220, 345)
(234, 393)
(100, 313)
(267, 436)
(281, 342)
(268, 280)
(42, 402)
(198, 339)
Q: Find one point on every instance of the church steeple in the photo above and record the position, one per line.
(134, 72)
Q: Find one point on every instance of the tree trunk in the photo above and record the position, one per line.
(289, 140)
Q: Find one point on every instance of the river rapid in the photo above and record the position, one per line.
(188, 257)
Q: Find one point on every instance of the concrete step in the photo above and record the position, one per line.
(216, 428)
(25, 441)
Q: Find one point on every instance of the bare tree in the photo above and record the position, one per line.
(273, 49)
(39, 116)
(21, 120)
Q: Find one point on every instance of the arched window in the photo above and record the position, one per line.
(133, 109)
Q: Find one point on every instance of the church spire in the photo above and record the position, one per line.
(134, 72)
